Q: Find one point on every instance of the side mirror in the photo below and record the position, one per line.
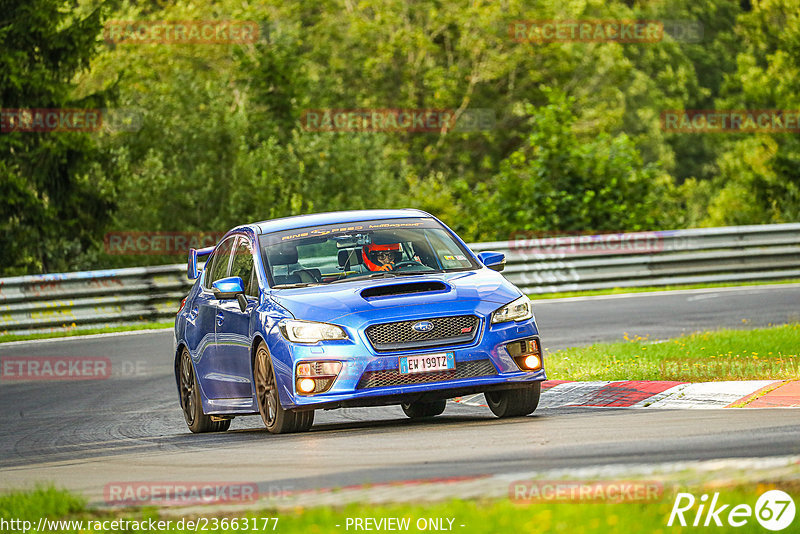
(230, 288)
(496, 261)
(191, 269)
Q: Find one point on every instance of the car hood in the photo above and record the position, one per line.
(481, 292)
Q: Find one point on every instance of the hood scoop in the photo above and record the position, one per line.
(403, 289)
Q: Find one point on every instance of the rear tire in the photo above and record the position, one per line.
(417, 410)
(276, 419)
(514, 402)
(191, 402)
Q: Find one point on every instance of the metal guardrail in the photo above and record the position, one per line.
(92, 298)
(537, 265)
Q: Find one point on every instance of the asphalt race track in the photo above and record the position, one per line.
(85, 434)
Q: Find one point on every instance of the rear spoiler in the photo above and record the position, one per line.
(195, 253)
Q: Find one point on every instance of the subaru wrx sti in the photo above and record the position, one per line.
(346, 309)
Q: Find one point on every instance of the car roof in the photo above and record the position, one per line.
(334, 217)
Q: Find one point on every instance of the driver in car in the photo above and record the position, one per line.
(382, 257)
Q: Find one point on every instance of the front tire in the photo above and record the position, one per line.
(276, 419)
(417, 410)
(191, 403)
(514, 402)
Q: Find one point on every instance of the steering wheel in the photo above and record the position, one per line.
(408, 263)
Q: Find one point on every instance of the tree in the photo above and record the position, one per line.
(559, 181)
(53, 203)
(758, 179)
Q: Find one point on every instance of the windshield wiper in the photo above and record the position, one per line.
(299, 284)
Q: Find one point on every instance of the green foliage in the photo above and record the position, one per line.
(559, 181)
(577, 143)
(53, 203)
(758, 180)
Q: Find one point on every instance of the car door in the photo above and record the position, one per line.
(206, 308)
(233, 326)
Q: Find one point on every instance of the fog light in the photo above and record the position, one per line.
(527, 354)
(306, 385)
(532, 362)
(316, 377)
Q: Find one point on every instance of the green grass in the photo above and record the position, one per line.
(29, 504)
(761, 353)
(6, 337)
(624, 290)
(478, 516)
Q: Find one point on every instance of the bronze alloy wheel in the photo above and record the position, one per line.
(266, 394)
(196, 420)
(276, 419)
(187, 388)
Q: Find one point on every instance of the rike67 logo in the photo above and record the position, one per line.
(774, 510)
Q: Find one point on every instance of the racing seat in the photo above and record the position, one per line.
(309, 276)
(349, 258)
(284, 254)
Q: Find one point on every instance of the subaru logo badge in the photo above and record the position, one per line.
(423, 326)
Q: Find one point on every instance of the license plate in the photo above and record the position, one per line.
(424, 363)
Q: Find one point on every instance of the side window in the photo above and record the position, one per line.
(243, 266)
(221, 259)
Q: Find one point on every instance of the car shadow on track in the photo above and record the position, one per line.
(375, 422)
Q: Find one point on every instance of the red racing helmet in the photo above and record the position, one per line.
(371, 254)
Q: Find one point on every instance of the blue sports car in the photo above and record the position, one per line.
(356, 308)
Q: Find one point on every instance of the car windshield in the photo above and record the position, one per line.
(343, 252)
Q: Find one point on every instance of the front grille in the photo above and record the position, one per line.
(392, 377)
(401, 335)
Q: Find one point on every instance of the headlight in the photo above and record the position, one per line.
(519, 310)
(309, 332)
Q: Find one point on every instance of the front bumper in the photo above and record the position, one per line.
(350, 388)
